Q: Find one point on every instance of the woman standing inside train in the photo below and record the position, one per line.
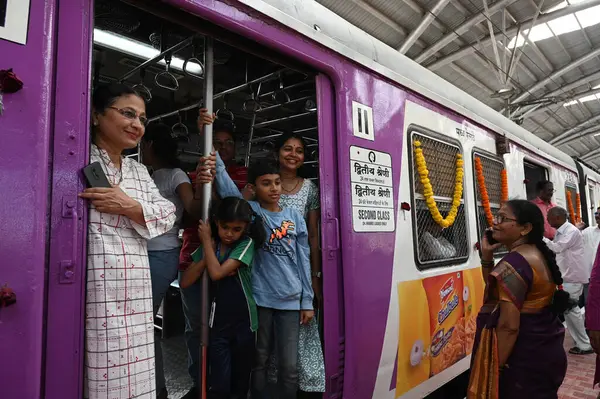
(119, 328)
(303, 195)
(518, 350)
(159, 151)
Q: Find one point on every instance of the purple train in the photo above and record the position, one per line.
(280, 65)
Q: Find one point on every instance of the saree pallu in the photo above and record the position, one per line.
(537, 364)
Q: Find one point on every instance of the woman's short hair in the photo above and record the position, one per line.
(105, 95)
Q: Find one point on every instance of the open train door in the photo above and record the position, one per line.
(333, 293)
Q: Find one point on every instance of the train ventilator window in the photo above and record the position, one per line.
(491, 167)
(440, 239)
(571, 203)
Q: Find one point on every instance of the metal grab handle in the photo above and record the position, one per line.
(224, 113)
(179, 130)
(171, 82)
(187, 72)
(310, 105)
(280, 96)
(141, 88)
(143, 91)
(252, 104)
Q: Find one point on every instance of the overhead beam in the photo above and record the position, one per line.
(566, 100)
(486, 41)
(575, 129)
(473, 80)
(580, 135)
(566, 88)
(424, 24)
(557, 74)
(385, 19)
(591, 155)
(462, 29)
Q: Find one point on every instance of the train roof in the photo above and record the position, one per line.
(353, 43)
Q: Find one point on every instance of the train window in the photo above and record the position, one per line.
(492, 166)
(434, 245)
(533, 174)
(571, 189)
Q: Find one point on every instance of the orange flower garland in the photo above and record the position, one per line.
(570, 207)
(485, 199)
(503, 186)
(578, 208)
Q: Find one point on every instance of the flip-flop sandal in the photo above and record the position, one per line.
(577, 351)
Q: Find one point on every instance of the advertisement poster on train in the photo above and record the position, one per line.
(14, 20)
(437, 322)
(372, 190)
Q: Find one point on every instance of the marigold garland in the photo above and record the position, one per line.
(503, 186)
(428, 189)
(570, 207)
(577, 208)
(485, 199)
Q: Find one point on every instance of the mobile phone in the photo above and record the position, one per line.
(489, 235)
(95, 176)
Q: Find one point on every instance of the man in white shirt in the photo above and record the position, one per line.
(569, 249)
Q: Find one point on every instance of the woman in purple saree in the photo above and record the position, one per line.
(518, 350)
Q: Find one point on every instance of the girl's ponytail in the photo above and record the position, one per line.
(256, 230)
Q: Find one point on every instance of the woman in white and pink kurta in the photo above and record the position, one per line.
(119, 327)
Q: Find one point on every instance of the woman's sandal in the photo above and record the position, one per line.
(577, 351)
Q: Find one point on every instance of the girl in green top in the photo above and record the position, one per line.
(227, 250)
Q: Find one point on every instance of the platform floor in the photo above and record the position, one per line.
(580, 375)
(577, 384)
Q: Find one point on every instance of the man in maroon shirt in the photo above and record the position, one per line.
(223, 142)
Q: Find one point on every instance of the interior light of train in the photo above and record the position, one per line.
(138, 49)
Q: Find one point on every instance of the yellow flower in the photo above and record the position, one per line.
(428, 189)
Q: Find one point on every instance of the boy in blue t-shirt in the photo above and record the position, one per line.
(281, 279)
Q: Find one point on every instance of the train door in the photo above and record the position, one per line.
(258, 95)
(28, 47)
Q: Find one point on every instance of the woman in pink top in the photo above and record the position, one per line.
(545, 191)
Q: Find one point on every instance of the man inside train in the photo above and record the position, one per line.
(569, 249)
(224, 142)
(545, 190)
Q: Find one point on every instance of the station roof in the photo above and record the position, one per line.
(536, 61)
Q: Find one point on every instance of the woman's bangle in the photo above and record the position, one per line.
(487, 264)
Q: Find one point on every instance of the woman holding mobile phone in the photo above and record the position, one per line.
(119, 327)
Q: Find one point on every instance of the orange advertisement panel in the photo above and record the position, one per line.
(437, 324)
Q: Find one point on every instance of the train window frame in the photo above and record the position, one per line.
(423, 265)
(538, 165)
(479, 152)
(572, 188)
